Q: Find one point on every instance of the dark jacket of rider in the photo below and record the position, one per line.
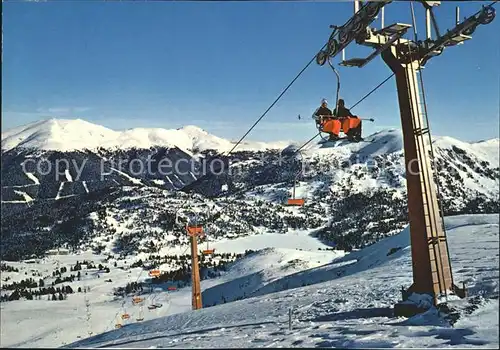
(323, 109)
(342, 111)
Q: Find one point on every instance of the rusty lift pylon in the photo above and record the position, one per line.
(432, 273)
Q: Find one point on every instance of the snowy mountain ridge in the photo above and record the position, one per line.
(355, 193)
(65, 135)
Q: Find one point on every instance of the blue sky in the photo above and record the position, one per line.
(219, 65)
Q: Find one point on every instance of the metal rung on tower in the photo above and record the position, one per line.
(458, 39)
(420, 131)
(353, 62)
(394, 28)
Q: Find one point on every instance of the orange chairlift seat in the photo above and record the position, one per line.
(208, 251)
(329, 125)
(154, 273)
(137, 300)
(125, 316)
(295, 201)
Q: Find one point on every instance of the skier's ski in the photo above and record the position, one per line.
(322, 142)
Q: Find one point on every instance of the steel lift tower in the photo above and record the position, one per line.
(432, 273)
(194, 231)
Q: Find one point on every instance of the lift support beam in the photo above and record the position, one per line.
(194, 232)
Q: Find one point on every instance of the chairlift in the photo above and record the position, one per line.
(118, 325)
(295, 201)
(140, 317)
(154, 305)
(125, 316)
(193, 226)
(137, 300)
(154, 273)
(208, 251)
(350, 126)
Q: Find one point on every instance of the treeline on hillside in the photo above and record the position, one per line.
(24, 288)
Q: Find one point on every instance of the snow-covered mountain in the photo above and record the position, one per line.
(268, 256)
(64, 135)
(355, 193)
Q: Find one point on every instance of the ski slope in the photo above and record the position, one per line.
(352, 309)
(105, 309)
(336, 301)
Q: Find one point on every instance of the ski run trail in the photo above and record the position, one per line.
(336, 300)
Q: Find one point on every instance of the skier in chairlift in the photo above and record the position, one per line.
(322, 112)
(340, 120)
(323, 109)
(353, 127)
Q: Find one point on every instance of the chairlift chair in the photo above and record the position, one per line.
(137, 300)
(140, 317)
(154, 273)
(295, 201)
(208, 251)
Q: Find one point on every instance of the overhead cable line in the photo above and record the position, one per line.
(275, 101)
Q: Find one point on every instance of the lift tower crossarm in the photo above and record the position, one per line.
(381, 40)
(455, 35)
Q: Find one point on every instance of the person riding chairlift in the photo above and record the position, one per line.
(349, 122)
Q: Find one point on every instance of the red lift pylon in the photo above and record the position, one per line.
(193, 232)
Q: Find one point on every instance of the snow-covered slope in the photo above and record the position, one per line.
(344, 303)
(255, 271)
(76, 134)
(482, 149)
(105, 309)
(350, 310)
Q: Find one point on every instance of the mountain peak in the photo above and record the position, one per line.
(77, 134)
(193, 129)
(56, 134)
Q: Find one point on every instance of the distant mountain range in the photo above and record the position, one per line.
(76, 184)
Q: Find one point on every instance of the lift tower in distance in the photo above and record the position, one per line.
(193, 231)
(432, 273)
